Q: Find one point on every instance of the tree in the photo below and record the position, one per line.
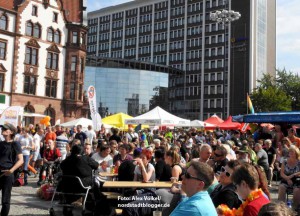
(285, 85)
(270, 99)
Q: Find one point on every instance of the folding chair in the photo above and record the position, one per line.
(59, 191)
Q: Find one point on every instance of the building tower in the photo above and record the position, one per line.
(179, 33)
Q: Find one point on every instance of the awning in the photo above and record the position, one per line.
(269, 117)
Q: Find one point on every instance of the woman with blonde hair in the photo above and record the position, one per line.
(290, 174)
(172, 158)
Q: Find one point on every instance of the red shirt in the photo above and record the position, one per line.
(253, 207)
(51, 155)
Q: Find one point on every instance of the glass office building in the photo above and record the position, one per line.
(127, 86)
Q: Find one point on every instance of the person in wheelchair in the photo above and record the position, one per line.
(51, 159)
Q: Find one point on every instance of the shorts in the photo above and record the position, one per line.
(36, 156)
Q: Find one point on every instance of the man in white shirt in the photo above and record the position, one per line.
(105, 161)
(91, 135)
(103, 158)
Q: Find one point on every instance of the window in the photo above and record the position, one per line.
(29, 27)
(57, 36)
(55, 16)
(72, 91)
(50, 112)
(50, 34)
(73, 63)
(51, 87)
(2, 76)
(34, 10)
(2, 50)
(31, 56)
(29, 109)
(212, 90)
(52, 61)
(219, 89)
(80, 92)
(212, 103)
(30, 85)
(36, 31)
(74, 37)
(205, 104)
(219, 104)
(81, 64)
(3, 22)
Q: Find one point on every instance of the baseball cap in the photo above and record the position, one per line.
(9, 126)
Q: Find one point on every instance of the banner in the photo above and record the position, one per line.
(11, 115)
(96, 118)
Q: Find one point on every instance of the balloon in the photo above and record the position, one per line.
(47, 118)
(47, 124)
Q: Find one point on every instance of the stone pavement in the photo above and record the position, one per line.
(26, 203)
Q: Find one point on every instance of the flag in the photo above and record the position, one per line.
(138, 128)
(91, 93)
(250, 106)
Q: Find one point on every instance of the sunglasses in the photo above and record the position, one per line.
(224, 171)
(218, 155)
(189, 176)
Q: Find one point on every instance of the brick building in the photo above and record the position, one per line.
(42, 57)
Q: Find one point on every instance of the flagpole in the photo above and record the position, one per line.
(247, 103)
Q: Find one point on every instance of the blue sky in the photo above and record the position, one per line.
(287, 31)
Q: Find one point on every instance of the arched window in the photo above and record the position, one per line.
(3, 22)
(37, 31)
(57, 36)
(50, 112)
(28, 120)
(50, 34)
(29, 28)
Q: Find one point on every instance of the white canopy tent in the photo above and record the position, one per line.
(81, 121)
(158, 117)
(201, 124)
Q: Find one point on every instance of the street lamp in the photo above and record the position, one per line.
(225, 17)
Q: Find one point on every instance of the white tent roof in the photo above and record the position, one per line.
(81, 121)
(198, 123)
(158, 116)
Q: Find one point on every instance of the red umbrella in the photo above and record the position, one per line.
(228, 124)
(214, 119)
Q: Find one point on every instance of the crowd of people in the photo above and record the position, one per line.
(213, 172)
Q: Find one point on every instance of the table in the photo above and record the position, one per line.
(136, 184)
(107, 174)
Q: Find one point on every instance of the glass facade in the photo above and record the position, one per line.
(131, 91)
